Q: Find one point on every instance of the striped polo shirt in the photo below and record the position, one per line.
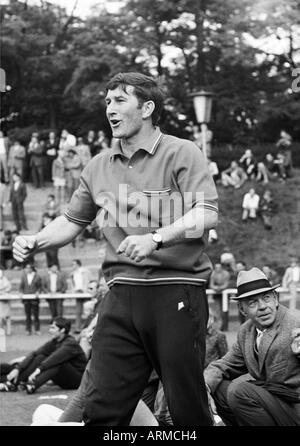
(157, 185)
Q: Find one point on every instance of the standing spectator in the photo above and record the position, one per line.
(83, 151)
(90, 141)
(101, 143)
(227, 259)
(18, 194)
(3, 157)
(51, 253)
(67, 141)
(73, 169)
(249, 164)
(36, 150)
(31, 283)
(80, 281)
(51, 148)
(233, 176)
(284, 144)
(59, 177)
(219, 281)
(51, 206)
(250, 205)
(291, 280)
(4, 199)
(16, 159)
(271, 275)
(54, 282)
(240, 266)
(267, 208)
(5, 287)
(61, 359)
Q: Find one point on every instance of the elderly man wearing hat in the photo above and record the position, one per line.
(267, 353)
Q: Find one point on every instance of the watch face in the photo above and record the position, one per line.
(157, 238)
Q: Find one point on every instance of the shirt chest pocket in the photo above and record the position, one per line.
(164, 206)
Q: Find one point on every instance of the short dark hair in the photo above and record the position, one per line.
(62, 322)
(77, 261)
(146, 88)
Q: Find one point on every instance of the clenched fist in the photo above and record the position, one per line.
(24, 247)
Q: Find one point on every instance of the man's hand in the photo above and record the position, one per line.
(33, 375)
(13, 375)
(24, 246)
(211, 403)
(295, 346)
(137, 247)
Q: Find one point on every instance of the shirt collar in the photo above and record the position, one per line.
(150, 146)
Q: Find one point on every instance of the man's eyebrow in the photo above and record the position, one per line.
(120, 96)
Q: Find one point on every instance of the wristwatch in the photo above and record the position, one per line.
(157, 238)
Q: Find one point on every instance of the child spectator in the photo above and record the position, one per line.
(250, 205)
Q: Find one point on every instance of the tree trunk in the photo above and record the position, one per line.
(199, 20)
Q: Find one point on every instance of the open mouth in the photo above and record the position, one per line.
(114, 122)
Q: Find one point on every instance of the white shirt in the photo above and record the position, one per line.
(30, 277)
(80, 279)
(2, 147)
(251, 201)
(295, 273)
(53, 282)
(259, 335)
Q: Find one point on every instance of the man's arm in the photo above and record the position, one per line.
(190, 226)
(58, 233)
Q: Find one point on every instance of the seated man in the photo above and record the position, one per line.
(250, 205)
(62, 360)
(268, 348)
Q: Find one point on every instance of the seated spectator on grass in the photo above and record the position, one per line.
(233, 176)
(267, 208)
(280, 161)
(61, 359)
(250, 205)
(249, 164)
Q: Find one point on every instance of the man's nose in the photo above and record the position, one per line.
(261, 303)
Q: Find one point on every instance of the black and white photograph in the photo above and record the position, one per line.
(150, 216)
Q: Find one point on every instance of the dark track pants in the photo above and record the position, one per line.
(246, 404)
(141, 327)
(64, 375)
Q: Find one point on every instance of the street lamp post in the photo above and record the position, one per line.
(202, 104)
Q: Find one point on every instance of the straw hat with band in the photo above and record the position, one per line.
(252, 282)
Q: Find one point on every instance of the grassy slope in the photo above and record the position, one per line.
(251, 242)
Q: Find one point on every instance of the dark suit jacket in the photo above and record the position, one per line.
(276, 361)
(18, 196)
(36, 284)
(61, 283)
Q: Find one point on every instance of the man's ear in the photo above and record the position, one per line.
(148, 108)
(241, 310)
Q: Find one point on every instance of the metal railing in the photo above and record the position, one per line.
(226, 295)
